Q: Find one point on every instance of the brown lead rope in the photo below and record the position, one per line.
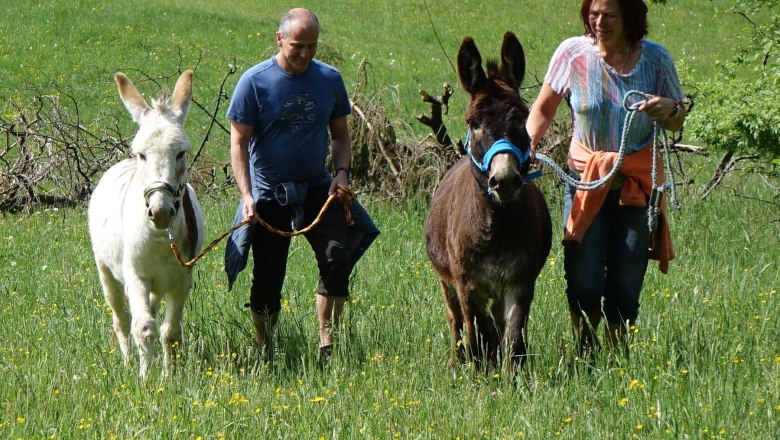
(345, 196)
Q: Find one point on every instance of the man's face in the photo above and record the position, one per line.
(298, 48)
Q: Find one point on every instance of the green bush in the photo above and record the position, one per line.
(738, 110)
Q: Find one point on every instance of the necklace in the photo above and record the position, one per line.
(619, 69)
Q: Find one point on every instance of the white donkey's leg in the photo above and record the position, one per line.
(171, 330)
(154, 303)
(144, 327)
(115, 298)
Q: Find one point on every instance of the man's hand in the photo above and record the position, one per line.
(248, 209)
(340, 179)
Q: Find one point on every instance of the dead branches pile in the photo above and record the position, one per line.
(381, 162)
(49, 156)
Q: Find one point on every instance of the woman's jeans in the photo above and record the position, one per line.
(610, 263)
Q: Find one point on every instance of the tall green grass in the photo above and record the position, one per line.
(704, 362)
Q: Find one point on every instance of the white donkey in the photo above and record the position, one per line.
(135, 207)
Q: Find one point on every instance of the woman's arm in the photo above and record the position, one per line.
(542, 114)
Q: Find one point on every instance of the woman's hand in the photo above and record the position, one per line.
(658, 108)
(665, 110)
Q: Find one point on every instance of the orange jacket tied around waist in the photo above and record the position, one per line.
(635, 191)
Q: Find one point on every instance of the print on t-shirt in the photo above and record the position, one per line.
(299, 111)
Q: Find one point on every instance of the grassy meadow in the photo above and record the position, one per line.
(704, 361)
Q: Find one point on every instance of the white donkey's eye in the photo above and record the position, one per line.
(180, 155)
(142, 156)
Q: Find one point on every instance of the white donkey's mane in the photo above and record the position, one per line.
(163, 105)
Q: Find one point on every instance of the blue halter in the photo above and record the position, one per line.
(498, 147)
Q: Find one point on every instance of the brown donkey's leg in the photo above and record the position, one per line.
(455, 323)
(469, 338)
(514, 339)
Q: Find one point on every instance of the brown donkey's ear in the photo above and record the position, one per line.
(512, 67)
(470, 69)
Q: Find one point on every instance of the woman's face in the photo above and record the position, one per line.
(606, 21)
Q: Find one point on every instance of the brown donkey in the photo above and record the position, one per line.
(488, 230)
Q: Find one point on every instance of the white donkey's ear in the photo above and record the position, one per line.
(134, 103)
(182, 94)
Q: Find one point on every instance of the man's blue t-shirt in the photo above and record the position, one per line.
(290, 115)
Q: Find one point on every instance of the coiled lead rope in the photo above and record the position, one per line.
(631, 110)
(660, 140)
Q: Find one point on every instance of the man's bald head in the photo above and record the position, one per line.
(298, 17)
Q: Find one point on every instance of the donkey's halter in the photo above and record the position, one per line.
(501, 146)
(166, 188)
(498, 147)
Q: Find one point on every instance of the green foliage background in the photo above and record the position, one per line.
(739, 111)
(71, 49)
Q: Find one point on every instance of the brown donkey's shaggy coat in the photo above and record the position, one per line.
(488, 230)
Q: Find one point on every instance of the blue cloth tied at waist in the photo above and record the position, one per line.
(292, 194)
(360, 235)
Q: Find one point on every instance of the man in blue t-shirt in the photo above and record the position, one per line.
(283, 114)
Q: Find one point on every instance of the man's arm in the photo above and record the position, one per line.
(239, 160)
(341, 145)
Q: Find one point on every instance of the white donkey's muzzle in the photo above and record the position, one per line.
(162, 203)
